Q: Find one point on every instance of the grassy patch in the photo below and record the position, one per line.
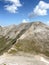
(2, 42)
(46, 53)
(26, 46)
(5, 44)
(30, 46)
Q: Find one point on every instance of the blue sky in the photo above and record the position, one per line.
(18, 11)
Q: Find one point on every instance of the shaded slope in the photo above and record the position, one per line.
(6, 41)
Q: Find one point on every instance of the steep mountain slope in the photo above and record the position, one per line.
(26, 37)
(10, 35)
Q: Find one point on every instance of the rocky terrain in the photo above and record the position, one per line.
(31, 38)
(23, 59)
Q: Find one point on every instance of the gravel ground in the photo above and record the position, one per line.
(23, 60)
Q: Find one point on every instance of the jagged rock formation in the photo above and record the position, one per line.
(26, 37)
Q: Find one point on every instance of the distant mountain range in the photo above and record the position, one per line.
(26, 37)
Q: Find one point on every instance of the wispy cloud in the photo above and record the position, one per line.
(40, 9)
(14, 6)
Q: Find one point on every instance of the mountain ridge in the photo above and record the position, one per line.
(27, 37)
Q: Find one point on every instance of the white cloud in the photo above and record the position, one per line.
(11, 8)
(25, 20)
(14, 7)
(41, 9)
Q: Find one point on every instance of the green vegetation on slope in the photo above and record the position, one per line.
(29, 46)
(5, 44)
(26, 46)
(2, 42)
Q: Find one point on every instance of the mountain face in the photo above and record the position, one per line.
(26, 37)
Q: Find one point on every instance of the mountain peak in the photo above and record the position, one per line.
(29, 37)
